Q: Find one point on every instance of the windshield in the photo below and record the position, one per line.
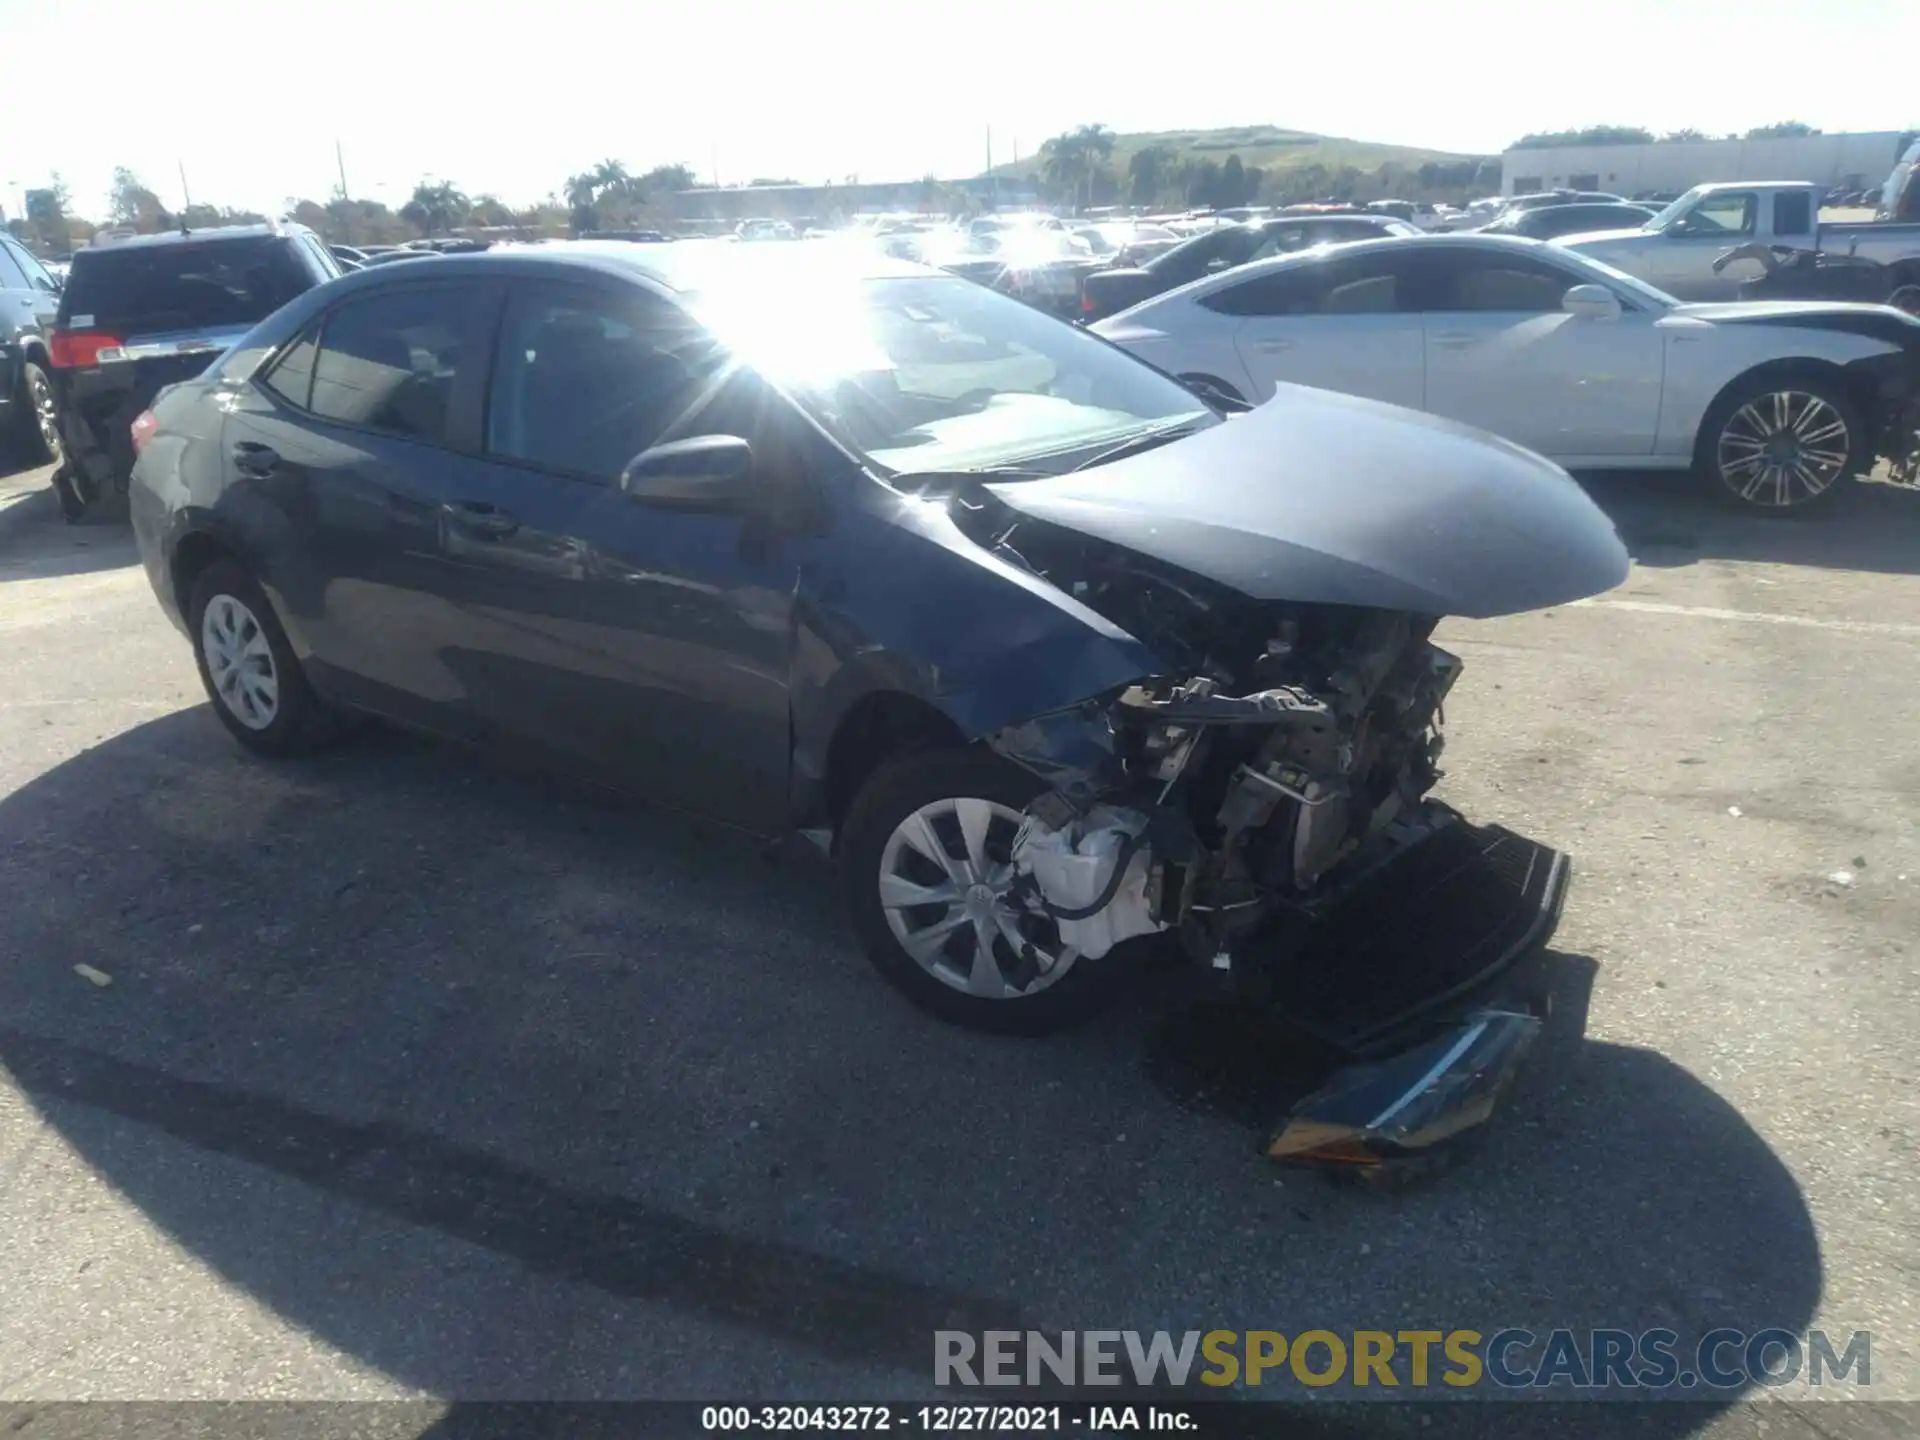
(1678, 208)
(932, 373)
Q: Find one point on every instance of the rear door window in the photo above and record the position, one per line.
(156, 288)
(12, 277)
(1365, 285)
(390, 360)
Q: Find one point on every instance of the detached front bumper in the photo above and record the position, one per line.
(1426, 975)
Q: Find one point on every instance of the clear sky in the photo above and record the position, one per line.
(510, 96)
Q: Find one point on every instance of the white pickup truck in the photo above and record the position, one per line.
(1676, 249)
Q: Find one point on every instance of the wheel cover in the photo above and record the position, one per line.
(46, 414)
(945, 878)
(240, 662)
(1784, 448)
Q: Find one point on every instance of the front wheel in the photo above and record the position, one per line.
(926, 861)
(1782, 444)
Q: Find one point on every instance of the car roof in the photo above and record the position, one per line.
(1386, 243)
(685, 267)
(167, 239)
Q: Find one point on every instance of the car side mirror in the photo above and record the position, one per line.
(704, 472)
(1592, 302)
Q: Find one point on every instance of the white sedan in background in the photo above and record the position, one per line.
(1776, 401)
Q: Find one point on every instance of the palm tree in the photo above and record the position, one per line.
(436, 205)
(611, 180)
(1095, 144)
(579, 197)
(1064, 164)
(579, 191)
(1146, 174)
(1096, 140)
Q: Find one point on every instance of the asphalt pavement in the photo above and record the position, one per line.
(395, 1075)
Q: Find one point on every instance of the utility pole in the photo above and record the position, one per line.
(993, 186)
(341, 161)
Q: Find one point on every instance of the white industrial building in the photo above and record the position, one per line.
(1847, 162)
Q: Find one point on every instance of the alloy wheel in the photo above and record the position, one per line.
(1782, 449)
(46, 414)
(946, 880)
(240, 662)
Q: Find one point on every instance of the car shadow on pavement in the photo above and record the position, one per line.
(1668, 520)
(36, 544)
(512, 1094)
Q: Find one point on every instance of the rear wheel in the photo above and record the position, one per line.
(1782, 444)
(250, 671)
(37, 416)
(926, 863)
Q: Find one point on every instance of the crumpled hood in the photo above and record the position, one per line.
(1329, 499)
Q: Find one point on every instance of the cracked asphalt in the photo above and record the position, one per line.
(417, 1079)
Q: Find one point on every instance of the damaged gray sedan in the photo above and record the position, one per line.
(1056, 658)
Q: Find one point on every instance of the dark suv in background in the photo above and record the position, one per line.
(143, 312)
(29, 296)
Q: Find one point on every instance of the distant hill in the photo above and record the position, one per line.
(1267, 146)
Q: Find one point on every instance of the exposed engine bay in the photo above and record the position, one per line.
(1286, 746)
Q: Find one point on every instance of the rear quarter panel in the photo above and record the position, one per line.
(1181, 337)
(176, 484)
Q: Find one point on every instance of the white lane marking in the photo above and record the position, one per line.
(1708, 612)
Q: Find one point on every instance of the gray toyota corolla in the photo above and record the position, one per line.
(1050, 654)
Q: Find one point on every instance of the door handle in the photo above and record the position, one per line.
(1272, 347)
(250, 458)
(1455, 341)
(481, 518)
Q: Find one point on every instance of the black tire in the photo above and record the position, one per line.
(33, 405)
(893, 793)
(1723, 427)
(1904, 294)
(300, 722)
